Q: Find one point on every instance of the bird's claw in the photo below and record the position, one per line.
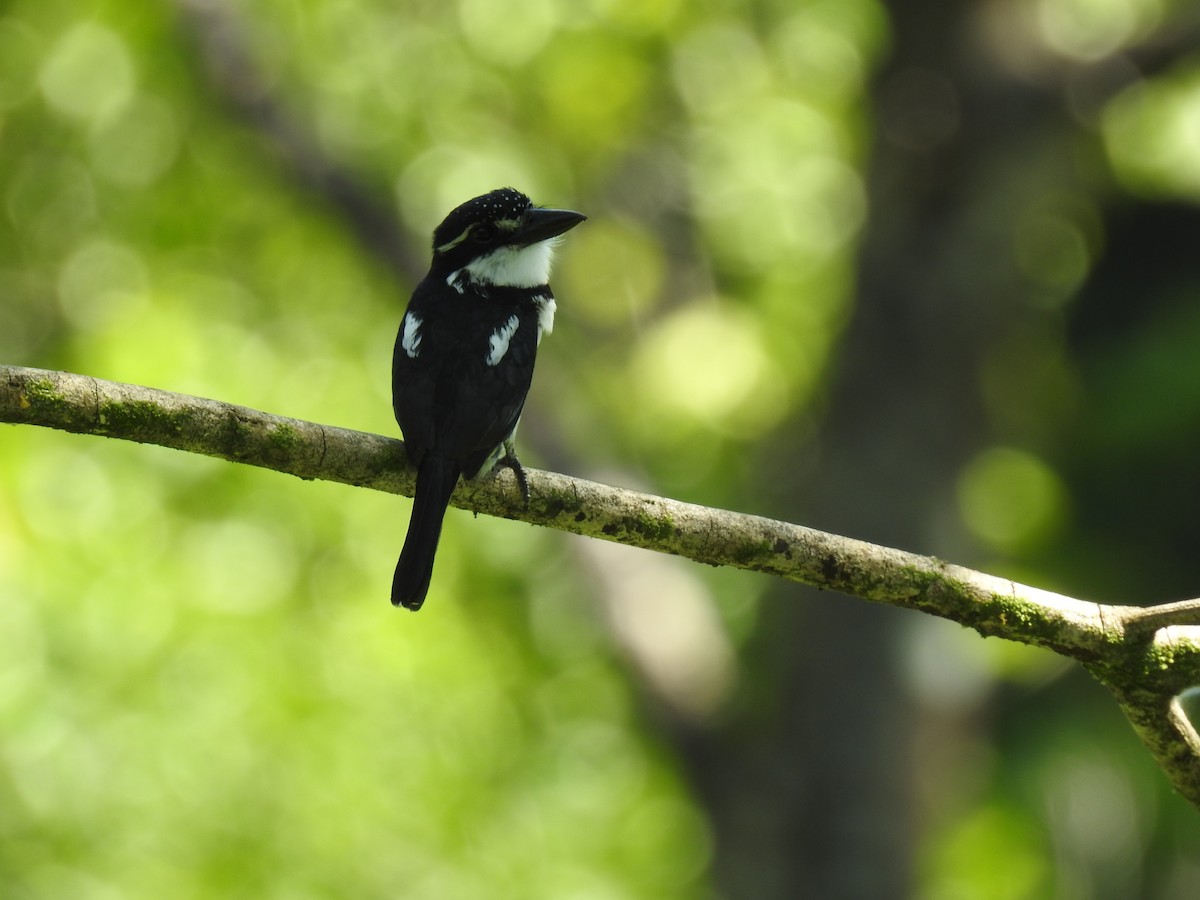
(509, 461)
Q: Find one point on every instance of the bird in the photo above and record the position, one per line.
(464, 355)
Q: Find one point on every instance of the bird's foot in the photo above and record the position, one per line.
(509, 461)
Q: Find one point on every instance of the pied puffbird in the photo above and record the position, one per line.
(464, 356)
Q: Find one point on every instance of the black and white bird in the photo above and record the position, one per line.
(464, 358)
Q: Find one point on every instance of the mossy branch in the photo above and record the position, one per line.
(1147, 656)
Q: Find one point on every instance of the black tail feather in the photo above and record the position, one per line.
(436, 479)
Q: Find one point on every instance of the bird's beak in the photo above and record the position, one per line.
(541, 224)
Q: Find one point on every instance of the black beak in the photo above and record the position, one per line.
(541, 224)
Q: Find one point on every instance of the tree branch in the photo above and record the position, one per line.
(1146, 665)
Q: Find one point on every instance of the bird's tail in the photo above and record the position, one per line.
(436, 478)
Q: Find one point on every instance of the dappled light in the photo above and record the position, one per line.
(922, 275)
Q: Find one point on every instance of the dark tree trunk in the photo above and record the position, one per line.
(811, 783)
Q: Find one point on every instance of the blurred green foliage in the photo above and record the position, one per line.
(202, 690)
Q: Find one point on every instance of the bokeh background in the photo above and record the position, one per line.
(923, 273)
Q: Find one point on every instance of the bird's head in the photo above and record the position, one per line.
(500, 239)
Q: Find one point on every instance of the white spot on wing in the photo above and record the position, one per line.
(500, 339)
(545, 307)
(411, 339)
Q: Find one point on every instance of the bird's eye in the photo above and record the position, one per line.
(484, 233)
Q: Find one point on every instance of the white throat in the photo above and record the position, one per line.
(519, 267)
